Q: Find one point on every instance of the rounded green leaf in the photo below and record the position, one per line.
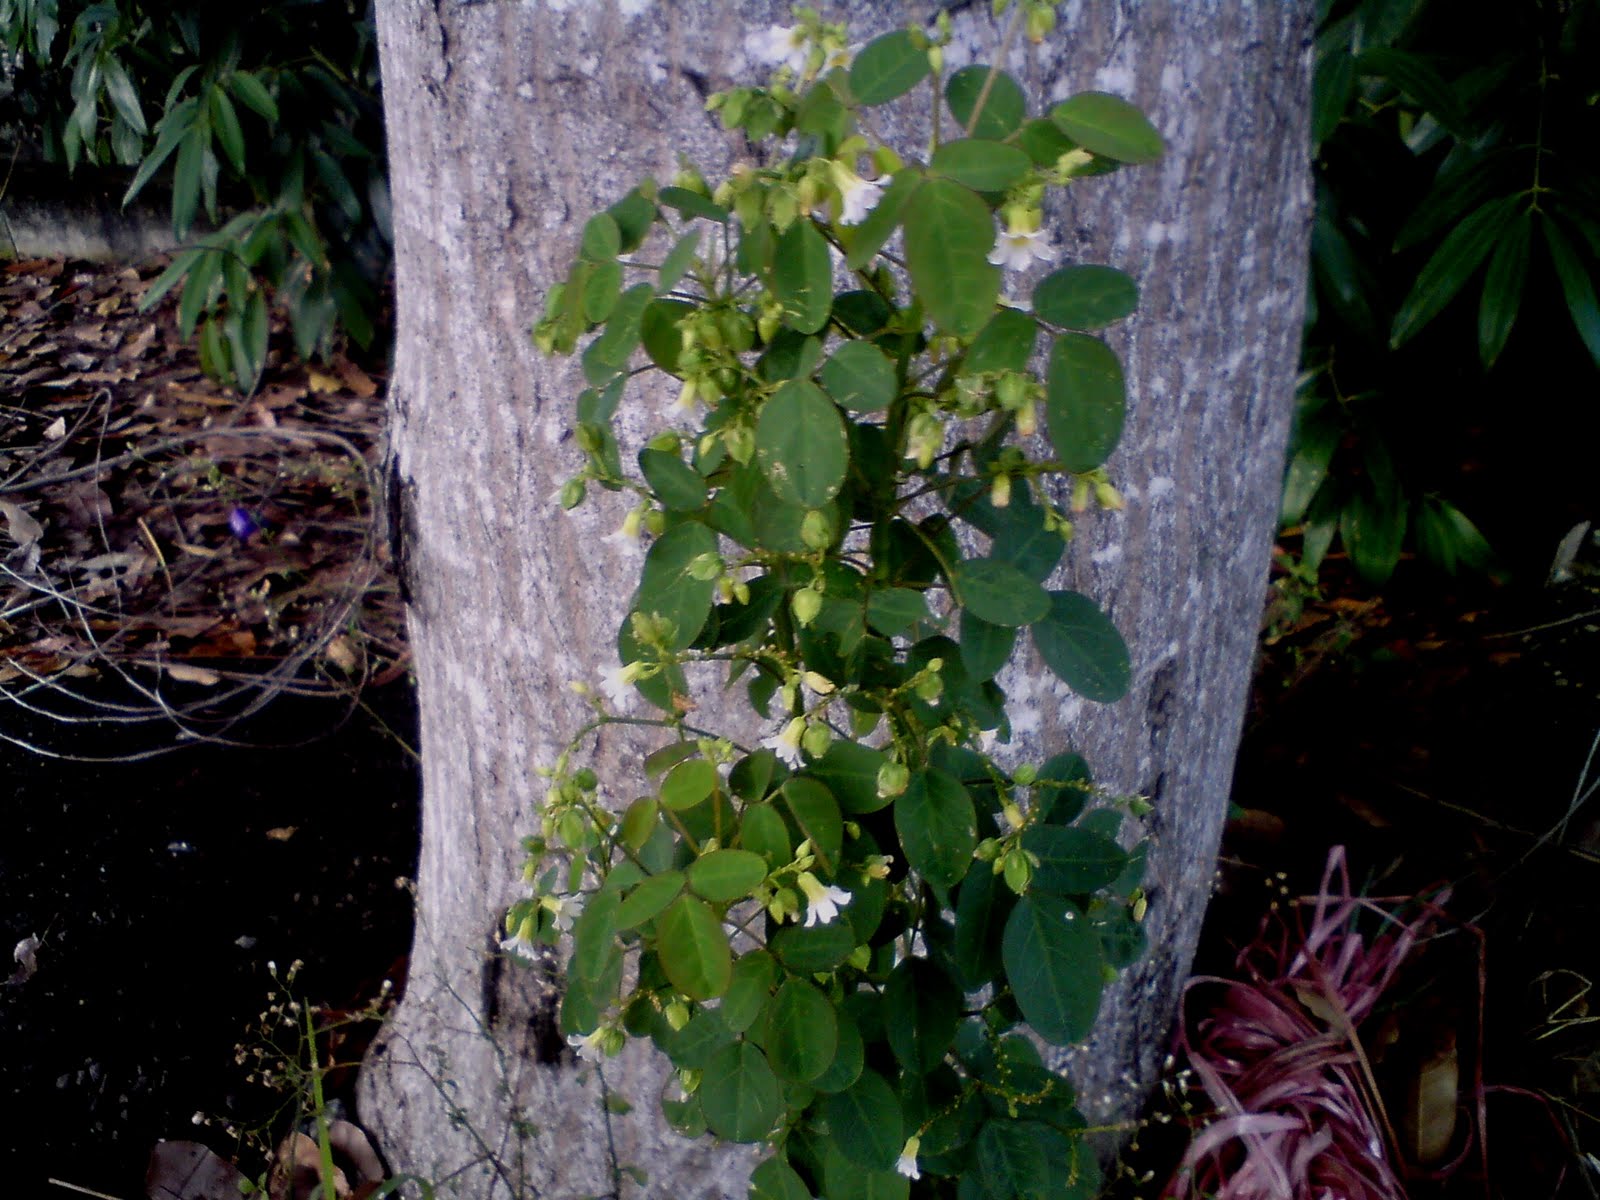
(649, 898)
(1052, 960)
(693, 948)
(602, 240)
(678, 260)
(1085, 297)
(802, 445)
(1072, 861)
(1080, 644)
(809, 950)
(688, 783)
(1004, 344)
(998, 592)
(887, 67)
(921, 1013)
(949, 233)
(753, 976)
(1003, 108)
(694, 1044)
(639, 822)
(982, 165)
(725, 875)
(860, 377)
(775, 1179)
(658, 329)
(867, 238)
(1110, 126)
(1085, 401)
(981, 911)
(816, 813)
(1030, 1160)
(866, 1122)
(938, 827)
(668, 589)
(894, 610)
(763, 831)
(802, 1032)
(845, 1180)
(802, 277)
(848, 1059)
(985, 648)
(677, 484)
(739, 1094)
(850, 771)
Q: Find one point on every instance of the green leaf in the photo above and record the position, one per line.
(753, 976)
(981, 911)
(1316, 438)
(850, 771)
(860, 377)
(802, 1032)
(922, 1010)
(763, 831)
(186, 178)
(1332, 86)
(639, 822)
(1062, 788)
(1422, 85)
(725, 875)
(775, 1179)
(1004, 344)
(985, 648)
(739, 1094)
(607, 356)
(693, 1046)
(648, 900)
(1080, 644)
(677, 485)
(867, 238)
(250, 92)
(1447, 537)
(892, 611)
(1072, 861)
(844, 1180)
(1110, 126)
(887, 67)
(634, 215)
(1003, 108)
(124, 96)
(594, 938)
(694, 950)
(668, 590)
(982, 165)
(1452, 264)
(1044, 143)
(816, 813)
(688, 783)
(1085, 297)
(848, 1059)
(692, 204)
(802, 445)
(225, 123)
(949, 233)
(1052, 960)
(601, 288)
(938, 827)
(997, 592)
(802, 277)
(1502, 289)
(809, 950)
(866, 1122)
(678, 260)
(1085, 401)
(1577, 286)
(658, 327)
(1029, 1160)
(1373, 529)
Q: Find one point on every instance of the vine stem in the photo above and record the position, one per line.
(999, 63)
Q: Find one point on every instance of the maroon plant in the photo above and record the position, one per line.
(1296, 1110)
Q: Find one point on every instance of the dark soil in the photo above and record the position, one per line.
(160, 890)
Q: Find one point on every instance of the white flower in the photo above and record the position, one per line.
(786, 744)
(521, 944)
(617, 684)
(627, 535)
(1017, 249)
(823, 901)
(906, 1164)
(786, 45)
(986, 739)
(588, 1045)
(857, 196)
(564, 910)
(840, 56)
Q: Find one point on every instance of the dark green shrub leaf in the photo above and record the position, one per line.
(726, 875)
(739, 1094)
(1577, 286)
(996, 591)
(775, 1179)
(751, 987)
(1072, 861)
(859, 377)
(894, 610)
(1085, 297)
(982, 165)
(850, 771)
(1004, 344)
(1085, 401)
(802, 446)
(649, 899)
(867, 238)
(1052, 959)
(1003, 108)
(985, 648)
(1080, 644)
(1108, 125)
(1452, 264)
(1502, 289)
(949, 233)
(816, 813)
(694, 950)
(676, 484)
(887, 67)
(938, 827)
(668, 590)
(802, 277)
(866, 1122)
(922, 1011)
(802, 1032)
(692, 204)
(810, 950)
(848, 1059)
(981, 911)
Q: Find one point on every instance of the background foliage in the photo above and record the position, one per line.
(264, 121)
(1453, 328)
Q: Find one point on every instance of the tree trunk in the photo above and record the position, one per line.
(509, 123)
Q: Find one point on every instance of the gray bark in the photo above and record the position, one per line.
(509, 123)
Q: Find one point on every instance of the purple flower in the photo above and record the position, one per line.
(242, 523)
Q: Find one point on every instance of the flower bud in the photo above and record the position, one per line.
(656, 522)
(586, 779)
(893, 779)
(741, 443)
(1017, 870)
(741, 591)
(590, 438)
(677, 1014)
(936, 58)
(1000, 491)
(572, 493)
(816, 529)
(805, 605)
(816, 740)
(1041, 20)
(1026, 774)
(1108, 497)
